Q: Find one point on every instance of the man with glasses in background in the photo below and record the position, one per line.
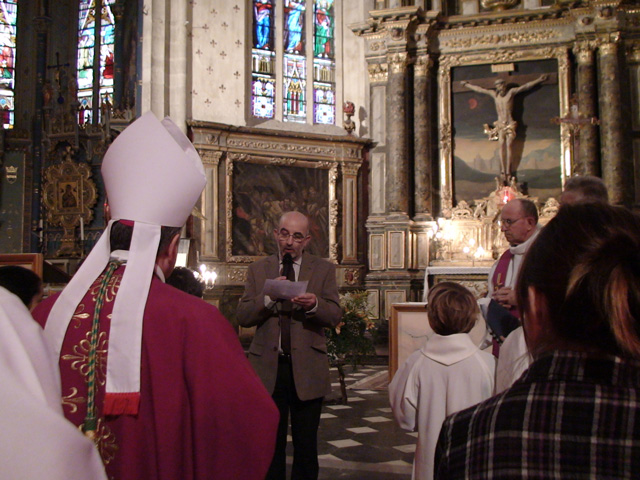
(289, 350)
(519, 224)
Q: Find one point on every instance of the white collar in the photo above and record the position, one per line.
(123, 256)
(449, 349)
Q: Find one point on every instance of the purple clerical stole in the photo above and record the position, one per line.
(500, 275)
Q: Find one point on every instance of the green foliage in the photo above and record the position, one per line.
(352, 339)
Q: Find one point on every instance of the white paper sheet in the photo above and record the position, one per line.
(284, 289)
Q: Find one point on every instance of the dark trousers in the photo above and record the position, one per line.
(305, 418)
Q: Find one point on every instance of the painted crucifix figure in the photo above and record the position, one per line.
(504, 128)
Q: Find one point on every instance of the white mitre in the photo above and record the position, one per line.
(153, 176)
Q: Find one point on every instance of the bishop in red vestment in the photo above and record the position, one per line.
(156, 377)
(203, 413)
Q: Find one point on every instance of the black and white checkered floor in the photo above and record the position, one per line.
(360, 439)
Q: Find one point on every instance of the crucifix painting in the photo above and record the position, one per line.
(502, 129)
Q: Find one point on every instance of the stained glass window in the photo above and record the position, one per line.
(324, 87)
(295, 86)
(8, 19)
(301, 50)
(263, 76)
(96, 38)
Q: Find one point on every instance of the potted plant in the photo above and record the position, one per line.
(352, 340)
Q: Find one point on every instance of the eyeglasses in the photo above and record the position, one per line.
(507, 222)
(284, 236)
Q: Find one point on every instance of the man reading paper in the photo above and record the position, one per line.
(289, 350)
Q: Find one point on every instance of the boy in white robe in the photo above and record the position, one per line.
(449, 373)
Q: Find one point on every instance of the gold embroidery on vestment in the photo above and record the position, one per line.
(71, 401)
(80, 357)
(105, 440)
(111, 291)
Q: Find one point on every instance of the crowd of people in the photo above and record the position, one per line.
(129, 374)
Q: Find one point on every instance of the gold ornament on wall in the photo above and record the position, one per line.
(499, 4)
(69, 195)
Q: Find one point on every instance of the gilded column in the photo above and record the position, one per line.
(587, 98)
(423, 204)
(612, 136)
(350, 212)
(397, 180)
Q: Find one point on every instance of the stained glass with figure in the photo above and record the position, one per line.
(324, 85)
(263, 74)
(95, 33)
(294, 31)
(8, 20)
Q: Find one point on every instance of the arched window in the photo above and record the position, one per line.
(96, 38)
(8, 19)
(301, 34)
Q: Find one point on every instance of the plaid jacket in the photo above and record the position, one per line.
(570, 415)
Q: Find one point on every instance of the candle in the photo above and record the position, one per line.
(81, 229)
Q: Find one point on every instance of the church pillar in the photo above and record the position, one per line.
(42, 28)
(611, 131)
(178, 64)
(421, 139)
(397, 181)
(158, 54)
(587, 97)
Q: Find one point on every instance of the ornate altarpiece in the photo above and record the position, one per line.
(411, 54)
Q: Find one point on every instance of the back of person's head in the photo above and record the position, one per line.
(580, 280)
(22, 282)
(529, 208)
(584, 189)
(185, 279)
(121, 235)
(451, 309)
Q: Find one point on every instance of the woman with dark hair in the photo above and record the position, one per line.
(575, 413)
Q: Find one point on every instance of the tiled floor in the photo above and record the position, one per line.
(361, 440)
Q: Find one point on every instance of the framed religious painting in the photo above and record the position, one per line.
(261, 189)
(497, 127)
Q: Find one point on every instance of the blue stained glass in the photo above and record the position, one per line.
(263, 78)
(294, 26)
(263, 17)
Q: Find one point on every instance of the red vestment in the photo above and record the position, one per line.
(203, 413)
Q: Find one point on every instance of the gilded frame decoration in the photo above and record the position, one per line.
(69, 195)
(236, 159)
(445, 131)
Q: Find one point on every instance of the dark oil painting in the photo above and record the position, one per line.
(263, 192)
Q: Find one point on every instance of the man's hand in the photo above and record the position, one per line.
(280, 278)
(506, 297)
(307, 300)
